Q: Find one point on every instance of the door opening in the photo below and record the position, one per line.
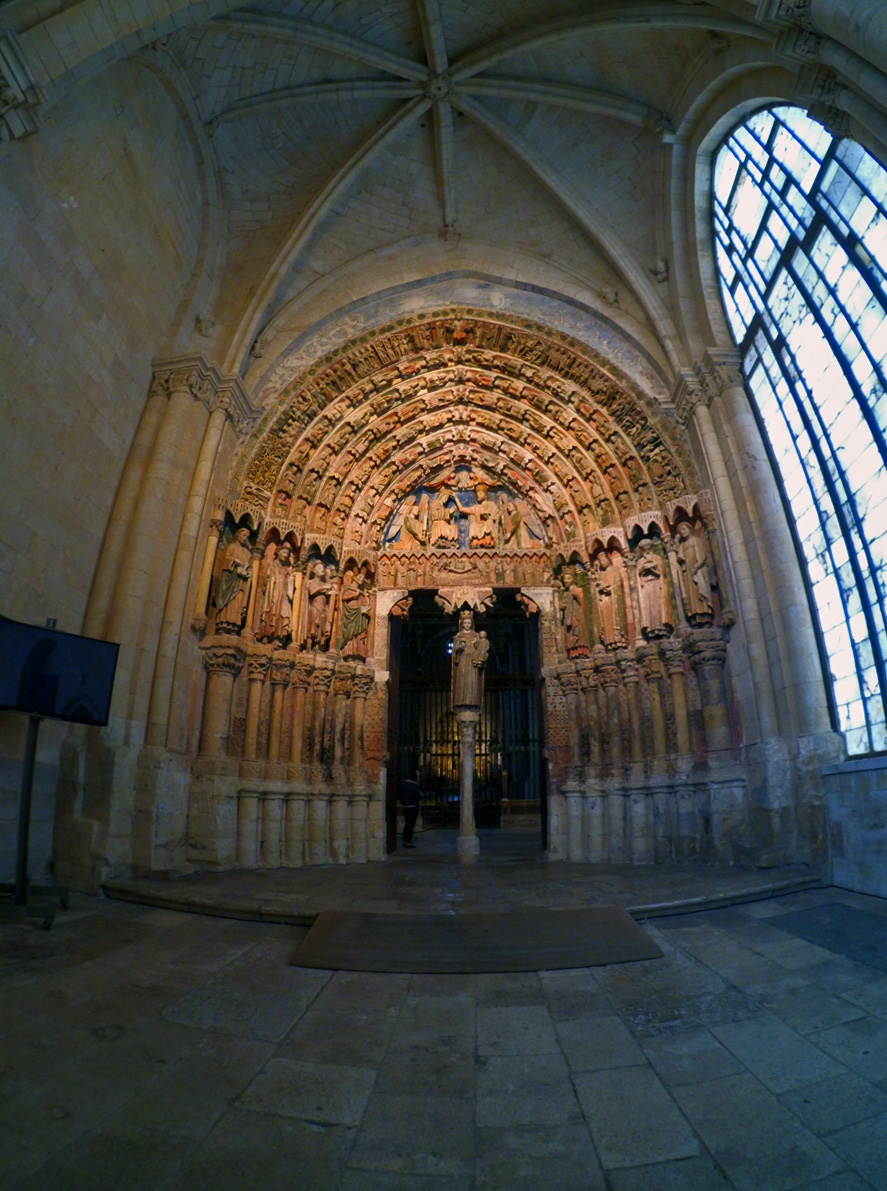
(508, 761)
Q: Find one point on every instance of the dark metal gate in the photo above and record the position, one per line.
(508, 774)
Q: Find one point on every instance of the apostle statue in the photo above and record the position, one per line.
(355, 615)
(278, 586)
(610, 596)
(652, 592)
(694, 568)
(470, 652)
(232, 592)
(319, 589)
(571, 602)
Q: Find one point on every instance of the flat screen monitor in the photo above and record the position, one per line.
(56, 675)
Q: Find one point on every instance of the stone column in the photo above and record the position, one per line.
(294, 831)
(717, 380)
(671, 550)
(341, 691)
(248, 829)
(301, 681)
(248, 633)
(468, 844)
(357, 852)
(575, 839)
(222, 664)
(198, 622)
(673, 656)
(281, 672)
(318, 829)
(339, 827)
(174, 617)
(588, 683)
(595, 833)
(610, 682)
(570, 686)
(631, 680)
(363, 681)
(616, 828)
(257, 667)
(272, 829)
(653, 672)
(707, 650)
(641, 838)
(323, 677)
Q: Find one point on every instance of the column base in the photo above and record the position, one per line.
(468, 849)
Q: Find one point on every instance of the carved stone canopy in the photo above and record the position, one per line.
(451, 599)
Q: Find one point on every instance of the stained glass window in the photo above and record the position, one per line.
(800, 222)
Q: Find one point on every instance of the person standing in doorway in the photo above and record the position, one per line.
(409, 797)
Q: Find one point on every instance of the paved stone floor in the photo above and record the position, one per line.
(149, 1048)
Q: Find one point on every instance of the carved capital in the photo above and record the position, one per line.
(650, 664)
(819, 85)
(609, 675)
(838, 121)
(688, 392)
(786, 12)
(628, 667)
(362, 684)
(706, 647)
(341, 685)
(257, 665)
(223, 659)
(570, 682)
(673, 656)
(302, 674)
(323, 677)
(281, 670)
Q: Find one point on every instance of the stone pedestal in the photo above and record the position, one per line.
(468, 844)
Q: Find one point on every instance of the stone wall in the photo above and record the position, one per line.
(856, 793)
(98, 240)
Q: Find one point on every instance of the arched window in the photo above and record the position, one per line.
(801, 239)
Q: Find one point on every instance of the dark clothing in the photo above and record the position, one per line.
(409, 796)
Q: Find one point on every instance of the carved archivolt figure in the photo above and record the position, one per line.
(611, 602)
(694, 563)
(443, 528)
(234, 584)
(470, 652)
(652, 592)
(483, 518)
(355, 619)
(319, 591)
(411, 523)
(276, 613)
(571, 602)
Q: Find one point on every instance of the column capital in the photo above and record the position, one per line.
(204, 380)
(257, 666)
(706, 647)
(223, 659)
(302, 674)
(672, 653)
(651, 664)
(281, 669)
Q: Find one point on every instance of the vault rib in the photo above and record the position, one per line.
(265, 24)
(318, 92)
(586, 99)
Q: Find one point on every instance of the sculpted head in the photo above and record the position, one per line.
(284, 553)
(685, 530)
(480, 491)
(242, 535)
(466, 620)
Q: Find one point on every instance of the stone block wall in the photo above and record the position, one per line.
(856, 793)
(98, 240)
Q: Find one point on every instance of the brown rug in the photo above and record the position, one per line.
(517, 941)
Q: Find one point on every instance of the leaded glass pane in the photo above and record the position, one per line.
(800, 223)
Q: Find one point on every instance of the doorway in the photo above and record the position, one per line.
(509, 790)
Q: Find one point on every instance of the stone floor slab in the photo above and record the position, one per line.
(525, 1159)
(864, 1147)
(515, 1030)
(632, 1118)
(316, 1092)
(835, 1103)
(779, 1057)
(689, 1174)
(417, 1135)
(694, 1057)
(860, 1045)
(758, 1143)
(594, 1044)
(525, 1090)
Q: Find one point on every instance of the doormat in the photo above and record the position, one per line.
(515, 941)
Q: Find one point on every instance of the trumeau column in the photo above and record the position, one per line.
(653, 672)
(716, 373)
(631, 680)
(222, 663)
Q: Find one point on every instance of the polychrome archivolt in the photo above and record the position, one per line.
(511, 405)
